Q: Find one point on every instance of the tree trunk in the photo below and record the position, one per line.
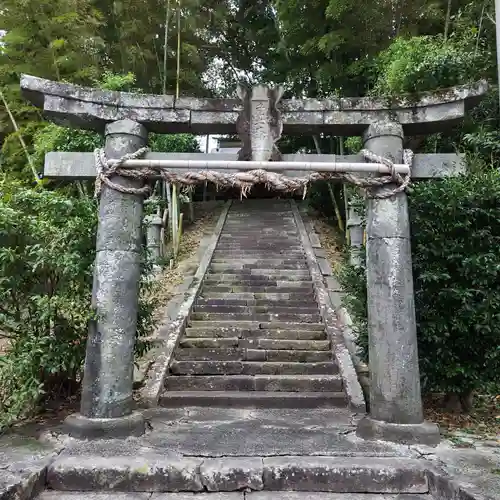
(447, 22)
(462, 402)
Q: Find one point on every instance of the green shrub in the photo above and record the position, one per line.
(424, 63)
(47, 249)
(455, 227)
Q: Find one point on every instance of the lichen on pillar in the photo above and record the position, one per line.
(107, 405)
(395, 396)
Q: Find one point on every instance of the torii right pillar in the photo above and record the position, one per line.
(395, 398)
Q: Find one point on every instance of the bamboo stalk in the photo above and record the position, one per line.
(177, 89)
(165, 45)
(21, 140)
(191, 206)
(340, 222)
(179, 234)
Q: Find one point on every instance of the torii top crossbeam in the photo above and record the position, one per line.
(82, 107)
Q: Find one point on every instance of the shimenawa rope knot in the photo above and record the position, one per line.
(245, 180)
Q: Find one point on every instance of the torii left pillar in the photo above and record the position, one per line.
(107, 405)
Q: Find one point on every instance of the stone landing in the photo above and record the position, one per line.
(242, 454)
(256, 336)
(213, 450)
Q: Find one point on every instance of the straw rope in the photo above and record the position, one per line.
(245, 180)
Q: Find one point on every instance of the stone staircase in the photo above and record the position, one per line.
(256, 335)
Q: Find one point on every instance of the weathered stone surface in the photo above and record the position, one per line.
(297, 495)
(314, 238)
(72, 166)
(276, 383)
(259, 124)
(23, 465)
(206, 367)
(253, 399)
(336, 298)
(108, 373)
(469, 473)
(422, 433)
(216, 333)
(361, 475)
(79, 495)
(201, 496)
(154, 226)
(68, 104)
(395, 381)
(217, 354)
(287, 344)
(81, 427)
(320, 252)
(324, 266)
(299, 356)
(350, 382)
(389, 218)
(147, 472)
(232, 474)
(395, 387)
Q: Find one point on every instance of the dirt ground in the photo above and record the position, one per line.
(206, 217)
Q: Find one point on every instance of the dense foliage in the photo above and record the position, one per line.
(456, 264)
(46, 257)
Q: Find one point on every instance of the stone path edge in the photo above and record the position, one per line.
(352, 387)
(27, 485)
(210, 476)
(172, 331)
(160, 473)
(336, 294)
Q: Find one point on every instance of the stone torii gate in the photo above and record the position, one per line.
(260, 117)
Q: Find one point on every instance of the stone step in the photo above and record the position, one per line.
(273, 383)
(257, 234)
(260, 317)
(252, 399)
(256, 325)
(259, 254)
(231, 332)
(254, 309)
(257, 280)
(270, 261)
(278, 287)
(257, 343)
(262, 495)
(247, 354)
(252, 368)
(248, 274)
(268, 228)
(237, 266)
(248, 297)
(256, 240)
(230, 301)
(260, 271)
(262, 247)
(156, 471)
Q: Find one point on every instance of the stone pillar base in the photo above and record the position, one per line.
(425, 433)
(81, 427)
